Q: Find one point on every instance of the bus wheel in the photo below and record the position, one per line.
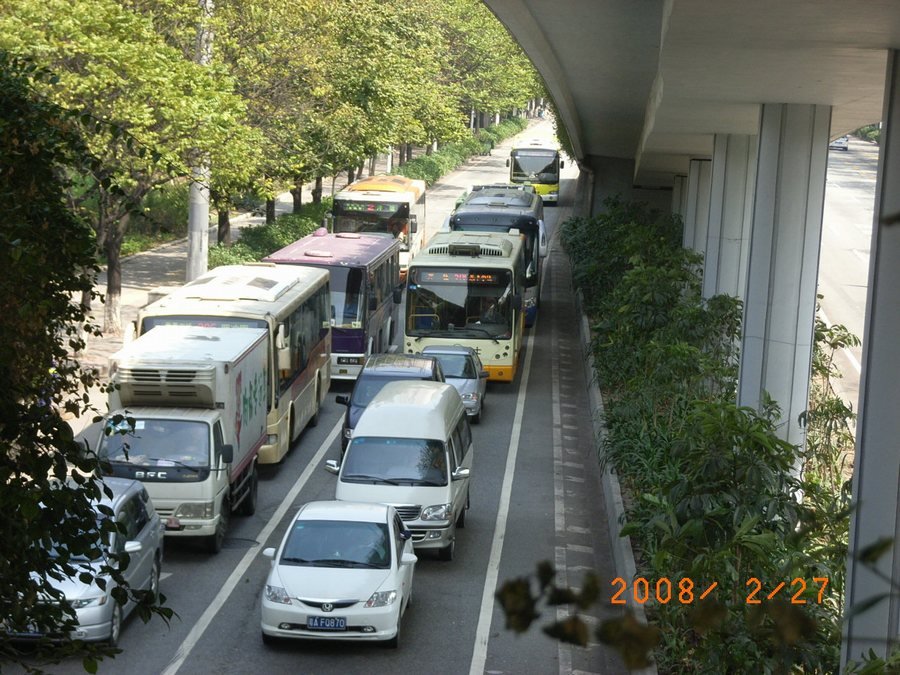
(314, 420)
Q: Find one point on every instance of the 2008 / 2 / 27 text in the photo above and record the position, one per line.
(685, 591)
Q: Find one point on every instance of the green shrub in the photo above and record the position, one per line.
(163, 211)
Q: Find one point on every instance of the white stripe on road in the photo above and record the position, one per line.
(206, 619)
(482, 633)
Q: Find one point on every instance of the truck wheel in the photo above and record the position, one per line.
(248, 506)
(215, 542)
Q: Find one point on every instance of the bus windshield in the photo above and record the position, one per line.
(347, 296)
(471, 302)
(538, 167)
(373, 217)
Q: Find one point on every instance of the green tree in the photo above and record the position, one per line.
(146, 112)
(47, 254)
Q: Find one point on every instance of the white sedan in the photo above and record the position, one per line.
(343, 571)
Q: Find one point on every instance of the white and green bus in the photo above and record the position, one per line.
(466, 288)
(292, 304)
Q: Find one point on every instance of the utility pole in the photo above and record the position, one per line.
(198, 201)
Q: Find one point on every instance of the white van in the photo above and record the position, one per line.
(412, 449)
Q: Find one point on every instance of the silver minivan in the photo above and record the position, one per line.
(412, 449)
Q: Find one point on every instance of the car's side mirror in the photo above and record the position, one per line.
(484, 374)
(333, 466)
(507, 162)
(408, 559)
(405, 534)
(133, 546)
(460, 473)
(343, 399)
(268, 552)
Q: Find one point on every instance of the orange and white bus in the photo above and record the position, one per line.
(293, 305)
(392, 205)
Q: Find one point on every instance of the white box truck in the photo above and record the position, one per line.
(187, 418)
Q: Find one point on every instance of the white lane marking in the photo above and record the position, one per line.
(164, 575)
(850, 356)
(218, 602)
(482, 633)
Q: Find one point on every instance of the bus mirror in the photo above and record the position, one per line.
(398, 295)
(507, 162)
(328, 222)
(284, 358)
(542, 244)
(413, 224)
(562, 164)
(517, 300)
(530, 281)
(280, 341)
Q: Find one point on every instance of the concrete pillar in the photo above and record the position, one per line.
(780, 299)
(679, 195)
(696, 216)
(876, 494)
(730, 214)
(614, 177)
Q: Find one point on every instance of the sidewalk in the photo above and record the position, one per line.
(167, 266)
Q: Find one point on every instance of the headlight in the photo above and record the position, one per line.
(437, 512)
(381, 599)
(81, 603)
(470, 397)
(277, 594)
(348, 433)
(195, 510)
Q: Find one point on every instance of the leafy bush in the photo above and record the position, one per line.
(430, 168)
(870, 132)
(163, 211)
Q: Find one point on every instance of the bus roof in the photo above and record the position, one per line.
(453, 248)
(385, 183)
(252, 289)
(325, 249)
(505, 197)
(534, 151)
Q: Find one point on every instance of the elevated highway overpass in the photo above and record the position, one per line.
(723, 111)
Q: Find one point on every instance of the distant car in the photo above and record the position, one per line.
(343, 571)
(462, 368)
(841, 143)
(378, 370)
(99, 616)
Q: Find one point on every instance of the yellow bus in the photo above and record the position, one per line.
(538, 166)
(292, 303)
(392, 205)
(466, 288)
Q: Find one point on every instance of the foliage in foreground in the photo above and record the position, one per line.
(712, 492)
(47, 255)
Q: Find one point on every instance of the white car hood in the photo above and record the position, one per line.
(75, 589)
(329, 583)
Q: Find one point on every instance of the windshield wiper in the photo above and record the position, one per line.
(430, 483)
(330, 562)
(375, 479)
(299, 561)
(174, 461)
(483, 330)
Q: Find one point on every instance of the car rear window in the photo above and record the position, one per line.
(367, 386)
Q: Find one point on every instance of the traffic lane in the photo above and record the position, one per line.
(191, 577)
(446, 596)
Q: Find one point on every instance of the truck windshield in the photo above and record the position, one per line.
(157, 442)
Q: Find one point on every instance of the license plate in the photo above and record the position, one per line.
(326, 623)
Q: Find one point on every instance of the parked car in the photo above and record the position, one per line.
(343, 571)
(840, 143)
(99, 616)
(462, 368)
(413, 448)
(378, 370)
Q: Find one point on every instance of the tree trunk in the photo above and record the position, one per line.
(297, 194)
(350, 173)
(317, 191)
(270, 211)
(333, 179)
(429, 149)
(112, 315)
(372, 160)
(401, 154)
(409, 149)
(224, 231)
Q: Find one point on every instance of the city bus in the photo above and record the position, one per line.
(466, 288)
(538, 166)
(501, 208)
(383, 205)
(365, 291)
(293, 305)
